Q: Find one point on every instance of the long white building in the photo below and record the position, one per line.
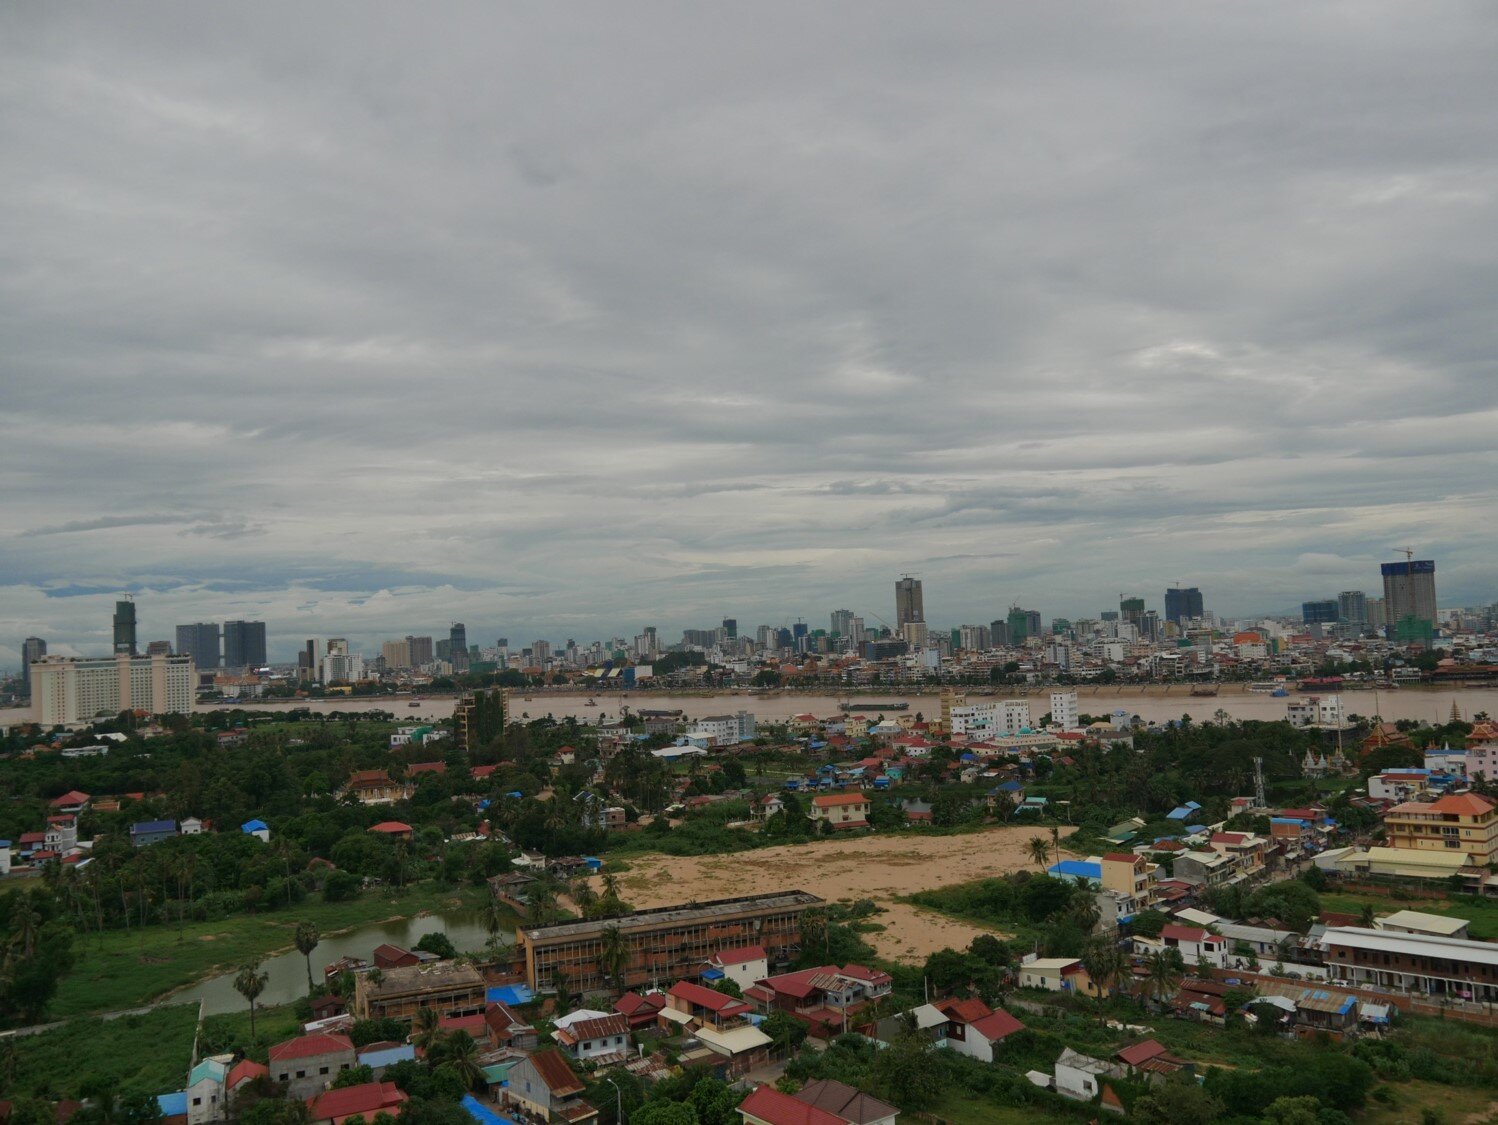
(69, 690)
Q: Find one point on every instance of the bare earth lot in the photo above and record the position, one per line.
(875, 867)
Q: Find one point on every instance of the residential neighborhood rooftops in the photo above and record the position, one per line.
(717, 1002)
(768, 1104)
(850, 1104)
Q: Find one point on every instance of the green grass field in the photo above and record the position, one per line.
(964, 1108)
(1482, 913)
(131, 968)
(144, 1054)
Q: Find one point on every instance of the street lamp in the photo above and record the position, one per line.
(618, 1100)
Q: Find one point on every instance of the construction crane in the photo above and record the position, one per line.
(1407, 552)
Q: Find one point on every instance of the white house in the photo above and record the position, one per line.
(594, 1038)
(205, 1090)
(745, 965)
(974, 1029)
(190, 826)
(1081, 1076)
(1064, 712)
(1197, 946)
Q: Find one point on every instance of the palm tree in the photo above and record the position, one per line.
(307, 937)
(563, 985)
(584, 896)
(459, 1051)
(494, 920)
(26, 926)
(1104, 963)
(614, 959)
(1366, 916)
(425, 1028)
(814, 928)
(1164, 974)
(1040, 851)
(250, 983)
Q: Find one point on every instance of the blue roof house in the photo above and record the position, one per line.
(147, 832)
(1184, 812)
(257, 828)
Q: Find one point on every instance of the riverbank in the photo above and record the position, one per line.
(129, 969)
(878, 867)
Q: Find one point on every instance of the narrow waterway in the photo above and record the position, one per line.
(288, 971)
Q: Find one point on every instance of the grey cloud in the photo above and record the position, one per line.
(567, 319)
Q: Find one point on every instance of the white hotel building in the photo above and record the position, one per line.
(66, 690)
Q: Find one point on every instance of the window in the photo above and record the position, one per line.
(301, 1074)
(197, 1101)
(324, 1070)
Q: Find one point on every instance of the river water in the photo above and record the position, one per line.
(288, 971)
(1151, 705)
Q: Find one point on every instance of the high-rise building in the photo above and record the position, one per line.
(158, 648)
(422, 651)
(457, 637)
(731, 628)
(397, 655)
(1183, 603)
(1320, 613)
(1064, 710)
(1409, 595)
(1132, 609)
(65, 690)
(200, 641)
(1022, 624)
(540, 653)
(124, 627)
(1352, 607)
(32, 648)
(244, 644)
(307, 662)
(998, 633)
(909, 605)
(842, 622)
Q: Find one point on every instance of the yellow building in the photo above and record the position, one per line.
(1461, 823)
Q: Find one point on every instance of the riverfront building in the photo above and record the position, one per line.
(67, 690)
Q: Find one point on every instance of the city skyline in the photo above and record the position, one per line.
(400, 321)
(285, 647)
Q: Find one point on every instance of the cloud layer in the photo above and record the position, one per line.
(563, 320)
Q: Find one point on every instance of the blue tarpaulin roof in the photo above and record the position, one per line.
(511, 994)
(482, 1113)
(1076, 868)
(253, 826)
(173, 1104)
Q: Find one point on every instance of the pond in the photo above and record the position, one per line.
(288, 971)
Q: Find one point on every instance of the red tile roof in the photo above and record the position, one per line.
(739, 955)
(245, 1070)
(391, 828)
(713, 1001)
(1183, 933)
(1122, 857)
(833, 800)
(632, 1003)
(768, 1104)
(309, 1046)
(1140, 1052)
(71, 797)
(963, 1011)
(1464, 804)
(997, 1025)
(797, 984)
(368, 1098)
(426, 767)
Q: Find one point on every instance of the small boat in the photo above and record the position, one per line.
(1279, 693)
(1204, 690)
(413, 704)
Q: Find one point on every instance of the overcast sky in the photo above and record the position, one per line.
(565, 319)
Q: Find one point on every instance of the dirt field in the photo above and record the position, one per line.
(876, 867)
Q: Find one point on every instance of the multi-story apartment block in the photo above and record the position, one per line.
(1459, 822)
